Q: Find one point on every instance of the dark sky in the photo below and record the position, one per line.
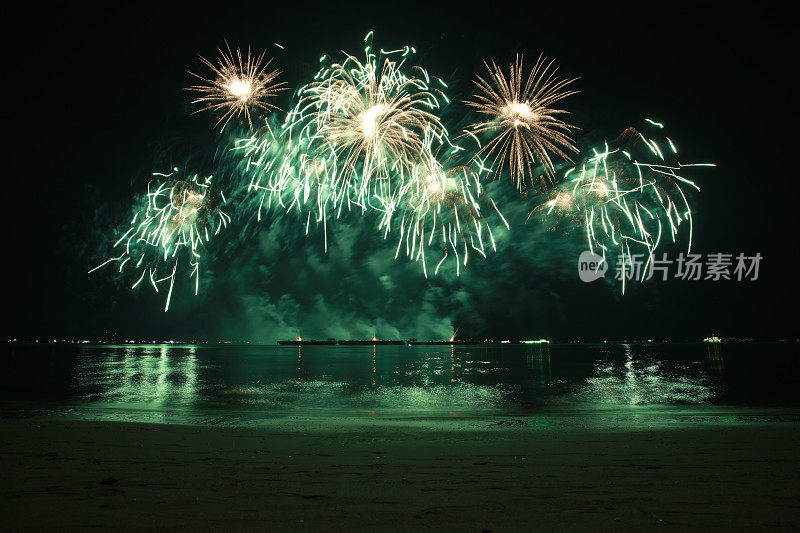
(94, 105)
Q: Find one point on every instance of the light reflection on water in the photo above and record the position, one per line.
(429, 380)
(644, 381)
(161, 375)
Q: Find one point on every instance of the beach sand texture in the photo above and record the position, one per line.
(498, 475)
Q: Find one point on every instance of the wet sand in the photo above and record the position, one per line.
(361, 474)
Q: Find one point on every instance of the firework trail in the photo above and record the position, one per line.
(439, 207)
(367, 120)
(278, 177)
(240, 86)
(167, 234)
(366, 136)
(519, 118)
(629, 197)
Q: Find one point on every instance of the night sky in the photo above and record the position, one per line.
(95, 105)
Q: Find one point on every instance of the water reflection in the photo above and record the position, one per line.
(452, 364)
(157, 375)
(299, 379)
(537, 359)
(643, 380)
(424, 380)
(716, 365)
(374, 368)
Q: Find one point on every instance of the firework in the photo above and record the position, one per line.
(439, 207)
(179, 217)
(630, 197)
(352, 142)
(364, 135)
(367, 120)
(367, 135)
(519, 118)
(279, 176)
(240, 86)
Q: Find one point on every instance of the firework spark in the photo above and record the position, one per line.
(368, 120)
(367, 135)
(352, 141)
(629, 198)
(240, 86)
(520, 119)
(439, 207)
(179, 217)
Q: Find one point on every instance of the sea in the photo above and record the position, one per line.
(252, 384)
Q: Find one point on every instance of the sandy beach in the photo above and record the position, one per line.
(370, 474)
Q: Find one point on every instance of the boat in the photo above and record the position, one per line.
(301, 342)
(440, 343)
(372, 342)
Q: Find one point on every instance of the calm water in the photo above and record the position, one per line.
(197, 382)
